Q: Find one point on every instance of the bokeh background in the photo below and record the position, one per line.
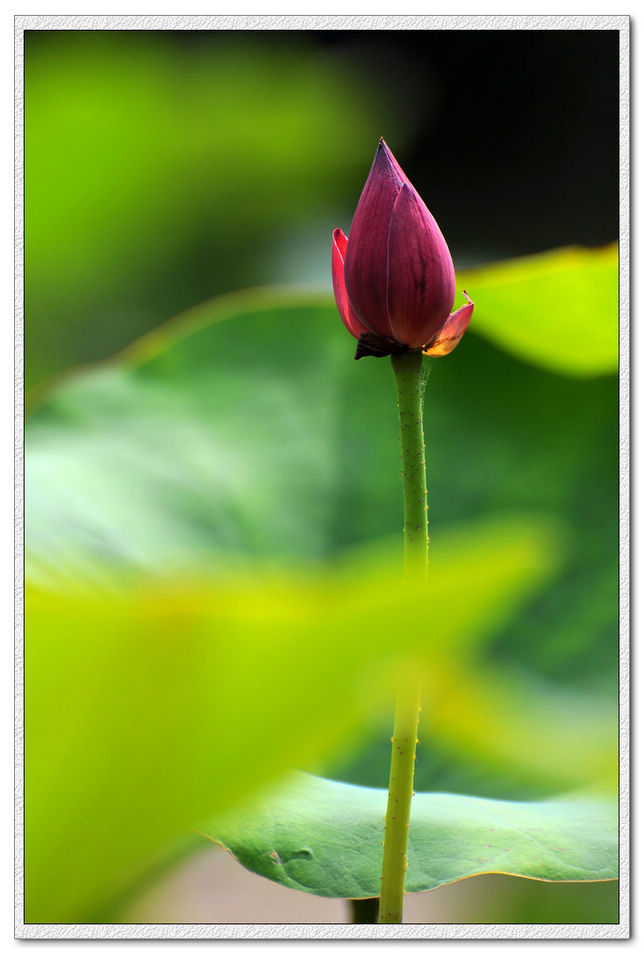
(165, 168)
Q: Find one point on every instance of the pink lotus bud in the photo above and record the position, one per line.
(393, 279)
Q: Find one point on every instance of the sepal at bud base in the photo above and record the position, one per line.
(451, 332)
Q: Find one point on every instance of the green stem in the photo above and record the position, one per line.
(408, 371)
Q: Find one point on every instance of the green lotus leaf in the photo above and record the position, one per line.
(325, 837)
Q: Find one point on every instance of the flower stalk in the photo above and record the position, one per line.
(394, 286)
(408, 372)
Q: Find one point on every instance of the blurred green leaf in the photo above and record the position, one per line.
(324, 837)
(244, 432)
(502, 899)
(558, 310)
(190, 448)
(244, 428)
(534, 735)
(152, 708)
(152, 162)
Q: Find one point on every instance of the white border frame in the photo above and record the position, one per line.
(189, 931)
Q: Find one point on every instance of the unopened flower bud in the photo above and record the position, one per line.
(393, 278)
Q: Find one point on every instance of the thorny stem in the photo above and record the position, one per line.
(408, 372)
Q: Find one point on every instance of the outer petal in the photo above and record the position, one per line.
(450, 334)
(349, 318)
(365, 269)
(420, 272)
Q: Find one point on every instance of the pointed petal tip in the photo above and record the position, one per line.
(384, 155)
(382, 148)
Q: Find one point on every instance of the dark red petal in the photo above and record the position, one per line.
(349, 318)
(340, 241)
(420, 272)
(450, 334)
(365, 270)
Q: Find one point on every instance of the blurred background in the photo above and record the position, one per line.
(165, 168)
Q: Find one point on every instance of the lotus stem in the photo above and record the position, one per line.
(408, 372)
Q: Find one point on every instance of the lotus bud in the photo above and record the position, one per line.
(393, 278)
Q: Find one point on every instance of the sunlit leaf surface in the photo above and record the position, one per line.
(324, 837)
(557, 310)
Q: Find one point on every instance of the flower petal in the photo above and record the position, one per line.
(420, 273)
(450, 334)
(349, 318)
(366, 256)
